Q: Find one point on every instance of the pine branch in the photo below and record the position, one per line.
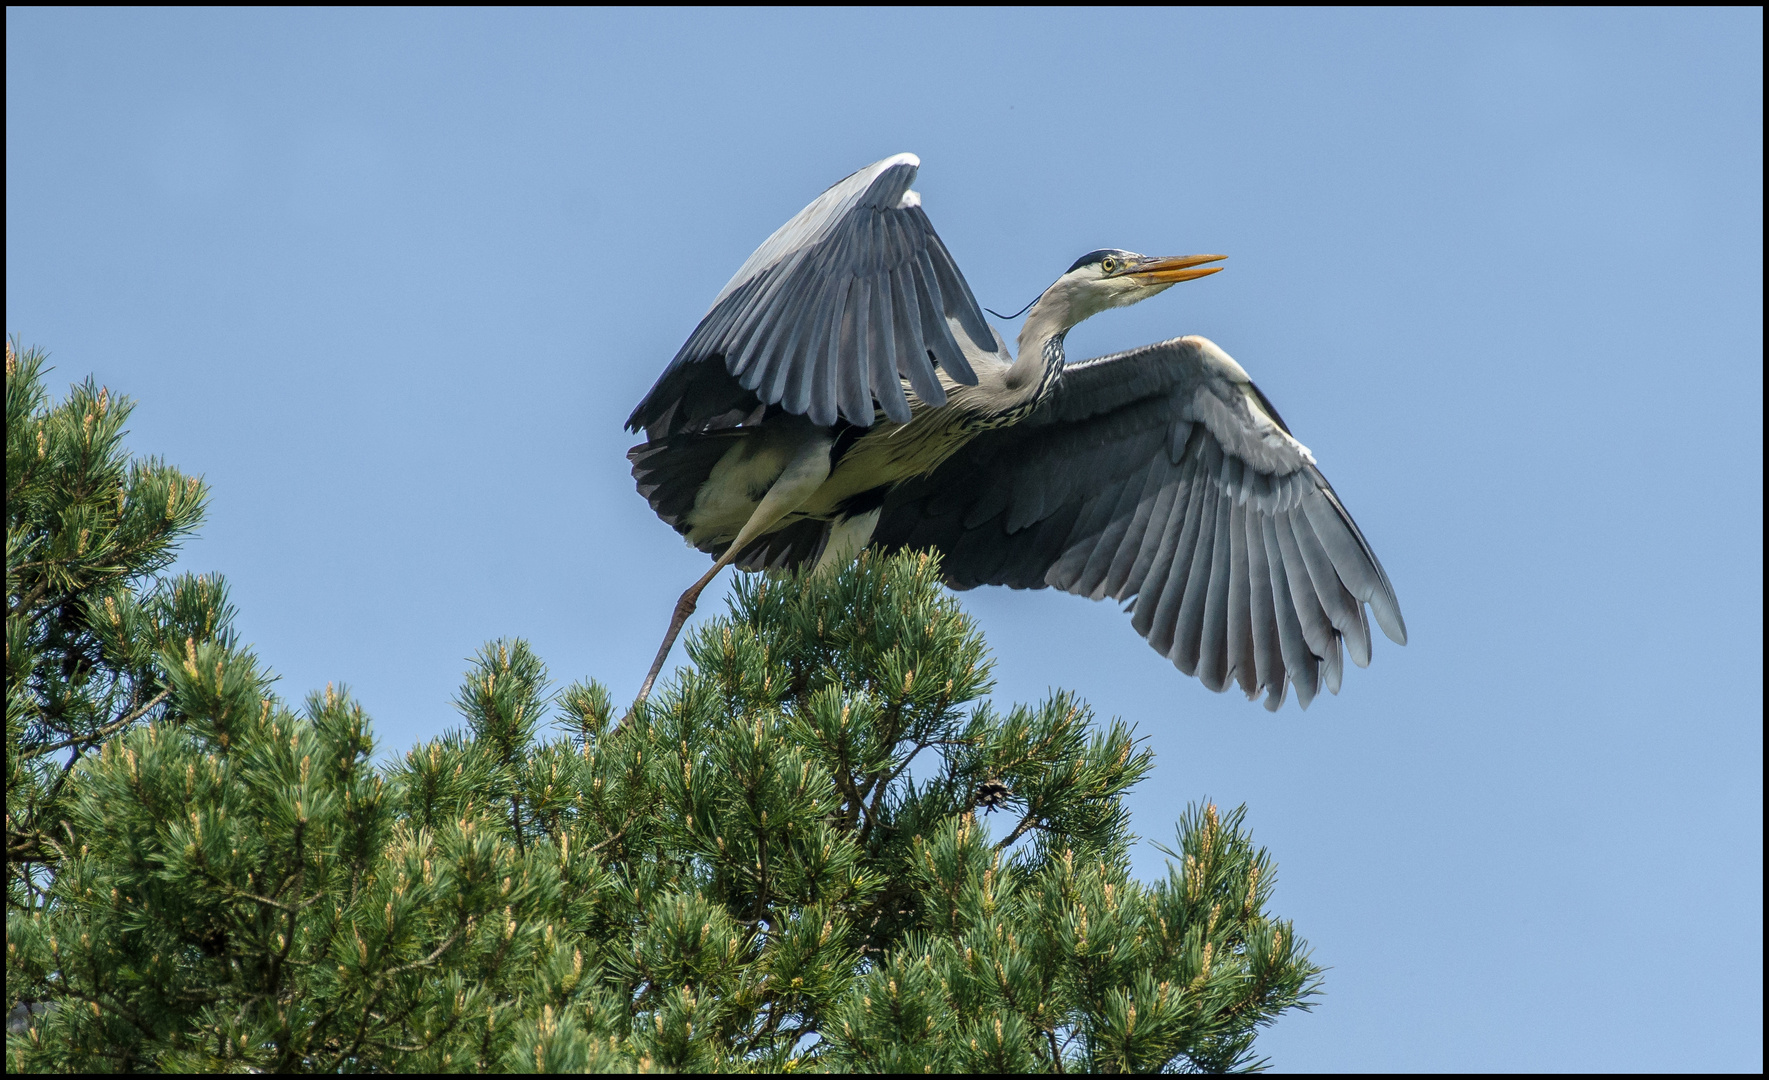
(102, 733)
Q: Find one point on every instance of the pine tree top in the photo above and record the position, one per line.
(818, 846)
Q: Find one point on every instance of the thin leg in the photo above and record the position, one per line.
(846, 537)
(804, 474)
(684, 608)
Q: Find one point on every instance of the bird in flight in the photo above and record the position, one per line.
(844, 390)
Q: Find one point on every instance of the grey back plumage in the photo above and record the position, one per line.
(825, 318)
(1162, 477)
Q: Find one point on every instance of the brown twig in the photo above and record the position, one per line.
(93, 736)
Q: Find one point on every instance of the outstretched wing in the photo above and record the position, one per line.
(851, 294)
(1163, 476)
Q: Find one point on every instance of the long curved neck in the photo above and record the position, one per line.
(1040, 357)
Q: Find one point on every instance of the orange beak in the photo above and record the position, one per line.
(1178, 268)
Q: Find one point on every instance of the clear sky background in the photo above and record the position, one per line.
(392, 280)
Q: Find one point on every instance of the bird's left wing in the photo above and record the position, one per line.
(851, 296)
(1163, 474)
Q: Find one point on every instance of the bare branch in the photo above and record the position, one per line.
(107, 730)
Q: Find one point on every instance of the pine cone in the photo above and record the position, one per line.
(992, 794)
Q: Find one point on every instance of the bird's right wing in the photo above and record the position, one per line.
(851, 296)
(1164, 475)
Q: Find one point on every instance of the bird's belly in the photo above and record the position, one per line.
(886, 456)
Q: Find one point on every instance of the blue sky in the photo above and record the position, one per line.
(392, 280)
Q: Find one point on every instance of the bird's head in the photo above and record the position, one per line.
(1110, 278)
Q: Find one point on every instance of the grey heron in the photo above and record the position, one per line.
(844, 390)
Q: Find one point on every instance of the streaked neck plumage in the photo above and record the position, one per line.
(1039, 362)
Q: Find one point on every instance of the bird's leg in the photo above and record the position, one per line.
(846, 537)
(684, 608)
(804, 473)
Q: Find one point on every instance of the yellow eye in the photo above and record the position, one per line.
(1108, 264)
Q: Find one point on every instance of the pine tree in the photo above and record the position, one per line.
(819, 847)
